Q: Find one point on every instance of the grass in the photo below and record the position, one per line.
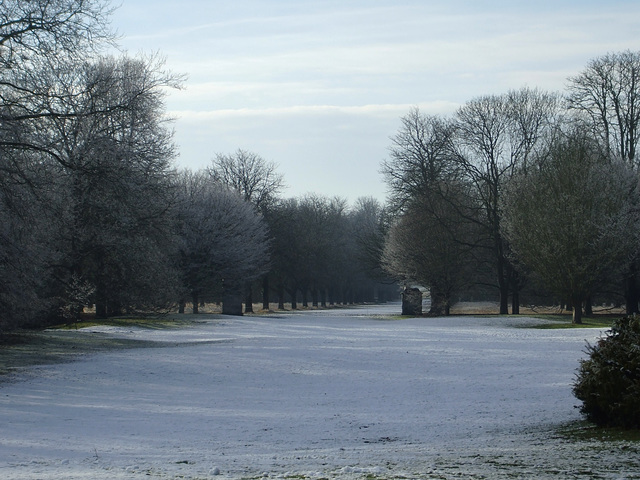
(564, 321)
(57, 344)
(26, 349)
(153, 322)
(584, 431)
(556, 321)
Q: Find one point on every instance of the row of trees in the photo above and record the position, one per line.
(524, 189)
(515, 191)
(313, 250)
(93, 210)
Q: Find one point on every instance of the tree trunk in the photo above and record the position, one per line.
(588, 307)
(332, 295)
(101, 308)
(577, 310)
(181, 306)
(281, 297)
(631, 294)
(248, 299)
(194, 300)
(577, 316)
(265, 293)
(437, 302)
(504, 299)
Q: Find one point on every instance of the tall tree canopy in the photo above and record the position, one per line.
(573, 219)
(607, 93)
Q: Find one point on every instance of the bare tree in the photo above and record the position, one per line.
(421, 155)
(25, 252)
(286, 252)
(371, 223)
(496, 136)
(607, 93)
(256, 179)
(426, 185)
(423, 246)
(37, 40)
(31, 27)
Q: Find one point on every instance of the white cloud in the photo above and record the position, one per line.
(316, 110)
(324, 83)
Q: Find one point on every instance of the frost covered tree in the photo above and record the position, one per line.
(223, 240)
(25, 253)
(286, 252)
(572, 220)
(370, 222)
(606, 94)
(317, 255)
(36, 38)
(306, 241)
(259, 183)
(112, 157)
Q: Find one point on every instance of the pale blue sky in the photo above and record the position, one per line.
(319, 86)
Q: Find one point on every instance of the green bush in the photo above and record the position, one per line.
(608, 382)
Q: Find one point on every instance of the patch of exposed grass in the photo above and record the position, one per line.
(63, 343)
(152, 322)
(564, 321)
(26, 349)
(582, 431)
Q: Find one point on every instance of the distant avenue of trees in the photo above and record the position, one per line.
(524, 194)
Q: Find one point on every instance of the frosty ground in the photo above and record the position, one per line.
(349, 393)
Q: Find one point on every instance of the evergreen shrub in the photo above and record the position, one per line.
(608, 382)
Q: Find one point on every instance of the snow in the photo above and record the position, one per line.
(347, 393)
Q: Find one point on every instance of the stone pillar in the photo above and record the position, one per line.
(232, 300)
(411, 301)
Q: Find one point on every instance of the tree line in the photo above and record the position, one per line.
(525, 194)
(528, 193)
(94, 212)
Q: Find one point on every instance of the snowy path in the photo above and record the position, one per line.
(323, 394)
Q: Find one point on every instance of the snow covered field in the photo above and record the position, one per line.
(323, 394)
